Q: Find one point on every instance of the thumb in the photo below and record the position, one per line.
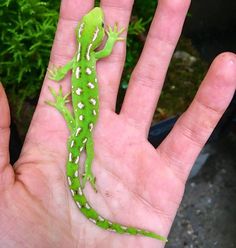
(6, 171)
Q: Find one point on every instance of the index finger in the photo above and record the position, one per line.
(4, 129)
(110, 69)
(6, 171)
(43, 123)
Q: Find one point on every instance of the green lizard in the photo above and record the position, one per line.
(84, 93)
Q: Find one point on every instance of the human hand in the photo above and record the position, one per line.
(137, 184)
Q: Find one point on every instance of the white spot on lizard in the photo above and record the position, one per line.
(79, 51)
(78, 131)
(91, 126)
(80, 30)
(80, 191)
(88, 52)
(77, 72)
(78, 204)
(95, 34)
(93, 220)
(100, 218)
(80, 105)
(91, 85)
(70, 157)
(87, 206)
(76, 173)
(78, 91)
(88, 71)
(93, 101)
(69, 181)
(77, 160)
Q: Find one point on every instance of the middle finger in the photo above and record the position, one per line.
(110, 69)
(148, 76)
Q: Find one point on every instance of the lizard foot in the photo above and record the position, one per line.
(56, 73)
(115, 32)
(60, 100)
(89, 177)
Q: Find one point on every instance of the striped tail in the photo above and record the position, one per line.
(84, 206)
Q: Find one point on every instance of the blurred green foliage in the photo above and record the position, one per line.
(27, 28)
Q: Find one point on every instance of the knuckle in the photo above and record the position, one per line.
(147, 76)
(197, 127)
(210, 112)
(193, 133)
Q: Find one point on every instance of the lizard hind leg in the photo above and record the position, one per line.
(60, 105)
(88, 174)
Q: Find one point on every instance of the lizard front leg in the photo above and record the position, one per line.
(58, 73)
(60, 105)
(113, 36)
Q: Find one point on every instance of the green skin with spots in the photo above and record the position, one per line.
(84, 93)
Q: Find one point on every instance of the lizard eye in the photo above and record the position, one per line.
(103, 25)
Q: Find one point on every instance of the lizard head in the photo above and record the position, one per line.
(91, 28)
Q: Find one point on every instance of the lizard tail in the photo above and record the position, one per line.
(83, 205)
(92, 215)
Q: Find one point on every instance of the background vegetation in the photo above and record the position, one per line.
(27, 29)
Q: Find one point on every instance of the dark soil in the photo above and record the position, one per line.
(207, 215)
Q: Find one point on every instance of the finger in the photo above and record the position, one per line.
(110, 69)
(148, 76)
(43, 124)
(193, 129)
(6, 171)
(4, 129)
(64, 45)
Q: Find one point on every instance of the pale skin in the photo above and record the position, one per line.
(137, 184)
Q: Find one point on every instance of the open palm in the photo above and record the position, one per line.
(137, 184)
